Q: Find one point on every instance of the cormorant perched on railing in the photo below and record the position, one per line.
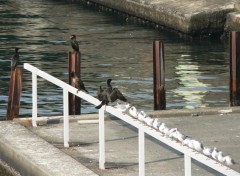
(74, 43)
(107, 91)
(15, 59)
(109, 95)
(109, 86)
(78, 82)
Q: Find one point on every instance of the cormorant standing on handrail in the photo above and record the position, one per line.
(78, 82)
(107, 91)
(74, 43)
(15, 59)
(109, 95)
(109, 86)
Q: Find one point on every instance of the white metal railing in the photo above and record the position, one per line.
(142, 129)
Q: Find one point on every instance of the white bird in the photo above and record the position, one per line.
(228, 160)
(170, 131)
(181, 137)
(174, 134)
(161, 127)
(156, 123)
(133, 112)
(166, 131)
(207, 151)
(186, 141)
(122, 107)
(149, 121)
(191, 144)
(214, 153)
(198, 146)
(141, 116)
(220, 157)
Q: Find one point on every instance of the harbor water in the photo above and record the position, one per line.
(112, 46)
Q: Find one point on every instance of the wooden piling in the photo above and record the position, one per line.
(159, 76)
(15, 90)
(234, 41)
(74, 65)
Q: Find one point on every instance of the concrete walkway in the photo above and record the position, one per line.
(198, 17)
(25, 147)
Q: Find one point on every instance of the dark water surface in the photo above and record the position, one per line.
(112, 47)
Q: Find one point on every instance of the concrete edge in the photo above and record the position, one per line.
(189, 24)
(194, 112)
(30, 155)
(18, 161)
(9, 169)
(159, 16)
(156, 114)
(237, 6)
(233, 22)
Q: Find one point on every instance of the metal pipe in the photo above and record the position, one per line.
(101, 139)
(141, 155)
(187, 165)
(34, 100)
(65, 118)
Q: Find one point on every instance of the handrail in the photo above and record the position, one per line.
(142, 129)
(61, 84)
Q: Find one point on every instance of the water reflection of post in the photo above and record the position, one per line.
(234, 68)
(159, 76)
(193, 90)
(74, 102)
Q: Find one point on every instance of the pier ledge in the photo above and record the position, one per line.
(194, 18)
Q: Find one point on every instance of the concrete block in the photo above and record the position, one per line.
(31, 155)
(190, 17)
(233, 22)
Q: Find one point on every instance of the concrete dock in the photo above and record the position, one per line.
(194, 18)
(40, 151)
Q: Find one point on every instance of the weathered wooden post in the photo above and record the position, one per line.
(159, 76)
(74, 62)
(15, 90)
(234, 40)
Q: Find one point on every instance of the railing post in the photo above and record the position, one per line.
(34, 100)
(141, 155)
(65, 118)
(101, 139)
(74, 64)
(187, 165)
(159, 76)
(234, 41)
(15, 89)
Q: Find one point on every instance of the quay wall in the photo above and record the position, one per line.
(194, 18)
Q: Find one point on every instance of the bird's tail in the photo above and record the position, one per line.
(86, 91)
(120, 95)
(101, 104)
(82, 90)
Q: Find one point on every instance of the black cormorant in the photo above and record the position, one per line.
(15, 59)
(109, 95)
(74, 43)
(109, 86)
(78, 82)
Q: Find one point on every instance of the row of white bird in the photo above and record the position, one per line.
(175, 134)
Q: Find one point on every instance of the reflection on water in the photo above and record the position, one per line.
(196, 71)
(193, 89)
